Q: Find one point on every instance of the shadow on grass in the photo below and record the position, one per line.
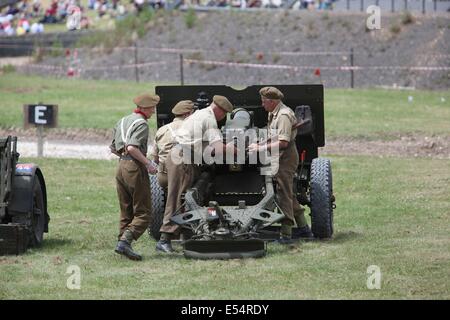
(346, 236)
(53, 243)
(173, 255)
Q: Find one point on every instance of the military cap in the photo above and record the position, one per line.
(146, 100)
(183, 107)
(271, 93)
(223, 103)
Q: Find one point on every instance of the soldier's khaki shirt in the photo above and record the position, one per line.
(131, 130)
(165, 139)
(280, 123)
(199, 129)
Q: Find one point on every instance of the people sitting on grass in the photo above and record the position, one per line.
(156, 4)
(23, 25)
(73, 18)
(6, 27)
(51, 13)
(316, 4)
(36, 9)
(36, 28)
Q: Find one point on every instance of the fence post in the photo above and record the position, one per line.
(136, 72)
(377, 3)
(423, 6)
(348, 5)
(362, 5)
(435, 5)
(392, 6)
(406, 5)
(181, 70)
(352, 72)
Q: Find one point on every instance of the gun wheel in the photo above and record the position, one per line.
(322, 199)
(158, 207)
(38, 218)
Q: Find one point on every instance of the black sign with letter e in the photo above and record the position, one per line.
(40, 115)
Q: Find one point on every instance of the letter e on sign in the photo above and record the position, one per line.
(40, 115)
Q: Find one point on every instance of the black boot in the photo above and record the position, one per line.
(285, 240)
(285, 234)
(302, 233)
(125, 249)
(164, 246)
(124, 246)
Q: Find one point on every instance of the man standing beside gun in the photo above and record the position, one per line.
(282, 130)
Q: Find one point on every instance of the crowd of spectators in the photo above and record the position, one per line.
(30, 16)
(302, 4)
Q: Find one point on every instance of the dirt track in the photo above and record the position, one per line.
(93, 144)
(410, 145)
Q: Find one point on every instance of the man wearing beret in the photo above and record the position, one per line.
(130, 136)
(282, 133)
(165, 138)
(199, 131)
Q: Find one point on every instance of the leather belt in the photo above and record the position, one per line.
(126, 157)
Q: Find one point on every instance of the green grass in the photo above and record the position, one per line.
(98, 104)
(393, 213)
(374, 112)
(81, 103)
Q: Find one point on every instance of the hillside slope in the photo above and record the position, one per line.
(287, 38)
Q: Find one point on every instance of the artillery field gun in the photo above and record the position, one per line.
(232, 210)
(23, 201)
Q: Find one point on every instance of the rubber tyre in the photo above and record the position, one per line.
(158, 206)
(38, 217)
(321, 195)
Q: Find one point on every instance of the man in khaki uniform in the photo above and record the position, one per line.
(129, 142)
(165, 138)
(198, 132)
(280, 125)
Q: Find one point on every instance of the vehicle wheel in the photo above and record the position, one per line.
(38, 219)
(321, 197)
(158, 206)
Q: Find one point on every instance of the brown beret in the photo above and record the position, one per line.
(271, 93)
(223, 103)
(146, 100)
(183, 107)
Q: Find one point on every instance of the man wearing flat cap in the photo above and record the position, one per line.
(165, 138)
(130, 136)
(282, 132)
(197, 133)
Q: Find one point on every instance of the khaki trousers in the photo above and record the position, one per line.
(180, 177)
(133, 191)
(285, 187)
(162, 176)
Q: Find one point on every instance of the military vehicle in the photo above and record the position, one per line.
(231, 211)
(23, 201)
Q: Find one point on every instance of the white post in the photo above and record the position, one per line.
(40, 143)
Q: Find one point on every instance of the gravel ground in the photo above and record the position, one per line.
(280, 38)
(437, 147)
(65, 149)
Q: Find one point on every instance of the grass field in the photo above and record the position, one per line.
(81, 104)
(98, 104)
(393, 213)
